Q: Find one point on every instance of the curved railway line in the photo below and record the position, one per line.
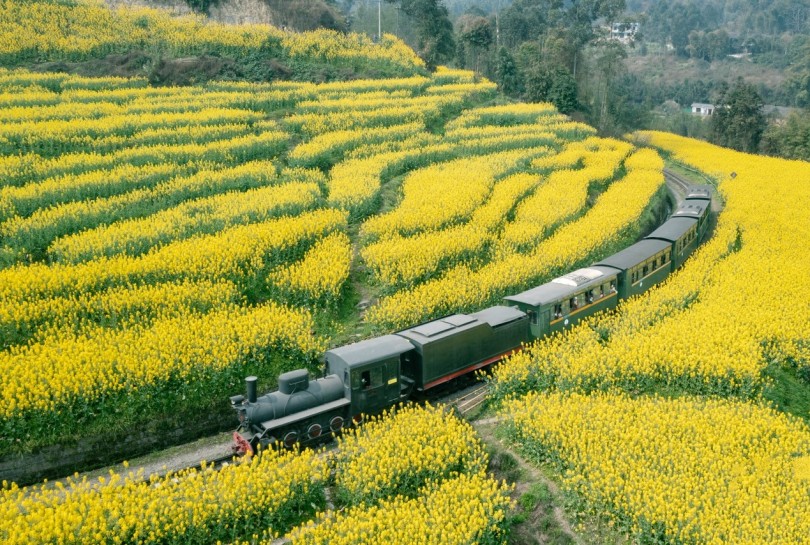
(218, 450)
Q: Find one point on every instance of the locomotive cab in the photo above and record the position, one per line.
(375, 372)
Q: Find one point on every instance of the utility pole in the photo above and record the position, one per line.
(379, 20)
(498, 27)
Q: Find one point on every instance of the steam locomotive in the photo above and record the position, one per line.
(369, 376)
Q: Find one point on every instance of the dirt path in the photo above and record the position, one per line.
(532, 530)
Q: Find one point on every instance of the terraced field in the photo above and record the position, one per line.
(158, 244)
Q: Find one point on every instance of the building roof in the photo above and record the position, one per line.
(702, 105)
(673, 229)
(635, 254)
(565, 286)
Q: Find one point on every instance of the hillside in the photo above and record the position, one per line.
(160, 243)
(90, 39)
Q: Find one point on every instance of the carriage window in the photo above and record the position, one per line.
(589, 297)
(558, 310)
(573, 303)
(533, 317)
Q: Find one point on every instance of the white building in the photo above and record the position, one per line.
(623, 32)
(699, 108)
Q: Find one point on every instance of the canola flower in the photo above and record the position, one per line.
(433, 197)
(465, 509)
(192, 218)
(683, 470)
(56, 136)
(565, 192)
(319, 276)
(43, 30)
(402, 450)
(355, 182)
(33, 170)
(38, 231)
(601, 228)
(330, 147)
(397, 261)
(744, 327)
(198, 505)
(35, 320)
(234, 254)
(505, 115)
(66, 369)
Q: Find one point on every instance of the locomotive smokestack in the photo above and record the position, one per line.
(250, 382)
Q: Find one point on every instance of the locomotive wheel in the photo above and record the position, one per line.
(314, 431)
(290, 439)
(336, 424)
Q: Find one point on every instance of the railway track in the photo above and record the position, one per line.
(679, 184)
(464, 400)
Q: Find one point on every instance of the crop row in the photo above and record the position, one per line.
(604, 226)
(44, 30)
(418, 471)
(35, 233)
(675, 471)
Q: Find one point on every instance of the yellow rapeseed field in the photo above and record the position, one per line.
(685, 470)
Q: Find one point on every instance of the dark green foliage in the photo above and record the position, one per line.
(506, 73)
(738, 121)
(791, 140)
(476, 36)
(434, 31)
(201, 6)
(555, 85)
(302, 15)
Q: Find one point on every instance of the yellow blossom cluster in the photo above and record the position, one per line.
(36, 232)
(233, 254)
(399, 452)
(744, 327)
(318, 277)
(191, 218)
(386, 113)
(683, 470)
(118, 307)
(198, 505)
(398, 261)
(22, 169)
(354, 182)
(328, 148)
(506, 115)
(66, 370)
(564, 193)
(432, 197)
(615, 211)
(57, 136)
(465, 509)
(43, 30)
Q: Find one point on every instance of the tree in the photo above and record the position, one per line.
(476, 35)
(506, 73)
(738, 121)
(792, 140)
(434, 31)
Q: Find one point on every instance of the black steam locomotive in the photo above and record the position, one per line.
(368, 376)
